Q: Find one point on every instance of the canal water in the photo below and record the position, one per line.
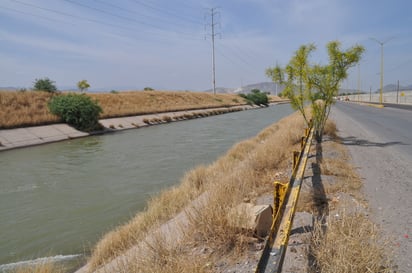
(57, 200)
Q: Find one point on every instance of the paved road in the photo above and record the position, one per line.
(380, 143)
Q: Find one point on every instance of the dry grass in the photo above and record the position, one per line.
(18, 109)
(344, 240)
(244, 172)
(44, 267)
(332, 163)
(163, 257)
(350, 244)
(149, 102)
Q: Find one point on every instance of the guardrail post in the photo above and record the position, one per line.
(279, 196)
(296, 155)
(302, 142)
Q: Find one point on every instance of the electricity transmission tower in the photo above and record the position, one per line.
(213, 13)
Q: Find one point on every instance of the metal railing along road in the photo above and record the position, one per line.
(285, 200)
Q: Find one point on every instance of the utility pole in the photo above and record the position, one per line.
(213, 13)
(370, 93)
(397, 93)
(381, 83)
(359, 82)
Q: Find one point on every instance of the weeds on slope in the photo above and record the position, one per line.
(350, 244)
(44, 267)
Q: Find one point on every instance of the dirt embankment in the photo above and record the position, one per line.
(22, 109)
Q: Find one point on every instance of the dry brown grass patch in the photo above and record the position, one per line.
(339, 176)
(43, 267)
(149, 102)
(330, 129)
(162, 256)
(25, 109)
(344, 240)
(350, 244)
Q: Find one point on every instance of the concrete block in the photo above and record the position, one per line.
(257, 218)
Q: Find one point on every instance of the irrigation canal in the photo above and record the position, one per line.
(58, 199)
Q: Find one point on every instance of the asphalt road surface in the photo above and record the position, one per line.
(380, 143)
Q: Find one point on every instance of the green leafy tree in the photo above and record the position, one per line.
(83, 85)
(256, 97)
(44, 84)
(78, 110)
(315, 85)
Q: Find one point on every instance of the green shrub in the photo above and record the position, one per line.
(45, 85)
(256, 97)
(78, 110)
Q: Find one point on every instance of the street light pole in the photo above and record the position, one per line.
(381, 84)
(380, 94)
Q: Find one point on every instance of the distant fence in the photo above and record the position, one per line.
(400, 97)
(285, 200)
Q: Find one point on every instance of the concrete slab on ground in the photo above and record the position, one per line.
(22, 137)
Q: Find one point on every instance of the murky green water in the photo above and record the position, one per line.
(58, 199)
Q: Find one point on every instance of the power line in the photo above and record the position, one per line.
(64, 22)
(149, 17)
(59, 12)
(234, 62)
(35, 15)
(238, 56)
(184, 18)
(72, 16)
(121, 17)
(134, 12)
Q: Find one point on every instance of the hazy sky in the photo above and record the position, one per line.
(132, 44)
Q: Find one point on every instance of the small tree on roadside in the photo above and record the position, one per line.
(44, 84)
(315, 84)
(83, 85)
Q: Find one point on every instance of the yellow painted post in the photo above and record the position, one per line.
(302, 142)
(274, 251)
(295, 158)
(278, 196)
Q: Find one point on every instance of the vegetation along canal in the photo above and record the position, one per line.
(58, 199)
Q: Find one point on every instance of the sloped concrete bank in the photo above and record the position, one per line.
(37, 135)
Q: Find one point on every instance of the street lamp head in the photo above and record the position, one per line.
(381, 42)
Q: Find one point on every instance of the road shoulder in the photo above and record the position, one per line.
(386, 186)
